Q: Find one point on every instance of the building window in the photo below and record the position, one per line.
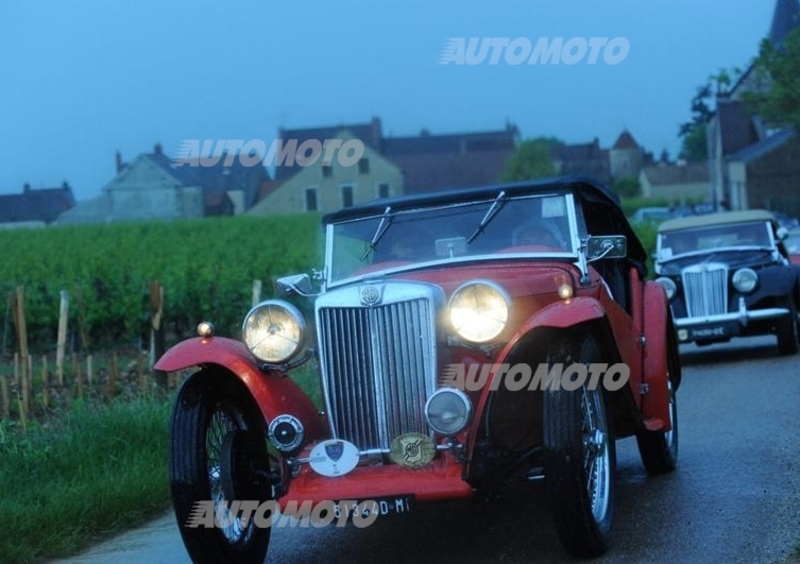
(327, 171)
(363, 166)
(347, 196)
(383, 190)
(311, 199)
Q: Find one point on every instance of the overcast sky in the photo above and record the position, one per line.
(80, 80)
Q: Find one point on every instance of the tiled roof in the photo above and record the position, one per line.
(425, 172)
(36, 205)
(737, 128)
(692, 173)
(784, 19)
(764, 146)
(449, 143)
(625, 141)
(369, 133)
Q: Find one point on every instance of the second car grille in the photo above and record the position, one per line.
(706, 289)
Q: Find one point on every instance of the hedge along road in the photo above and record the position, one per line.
(734, 497)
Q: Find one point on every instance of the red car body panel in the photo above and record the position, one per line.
(274, 392)
(655, 403)
(439, 480)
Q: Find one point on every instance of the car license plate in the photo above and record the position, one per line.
(711, 332)
(383, 506)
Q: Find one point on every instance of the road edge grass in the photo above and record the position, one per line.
(83, 475)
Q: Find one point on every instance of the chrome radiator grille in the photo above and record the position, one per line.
(705, 287)
(378, 365)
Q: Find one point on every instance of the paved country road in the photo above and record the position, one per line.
(734, 498)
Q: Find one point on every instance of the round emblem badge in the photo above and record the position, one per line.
(370, 295)
(333, 457)
(412, 450)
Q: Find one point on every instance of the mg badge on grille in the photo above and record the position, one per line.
(412, 450)
(370, 295)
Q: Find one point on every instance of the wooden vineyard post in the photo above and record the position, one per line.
(6, 402)
(45, 384)
(256, 292)
(63, 315)
(141, 374)
(89, 376)
(156, 332)
(27, 373)
(22, 330)
(111, 384)
(76, 373)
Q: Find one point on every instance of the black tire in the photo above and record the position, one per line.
(579, 458)
(218, 452)
(786, 330)
(659, 449)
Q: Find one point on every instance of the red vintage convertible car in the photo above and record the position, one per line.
(454, 333)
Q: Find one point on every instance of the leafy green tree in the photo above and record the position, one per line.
(778, 68)
(531, 160)
(693, 132)
(627, 187)
(694, 145)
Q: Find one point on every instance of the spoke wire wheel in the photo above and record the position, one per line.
(224, 426)
(579, 454)
(218, 453)
(596, 453)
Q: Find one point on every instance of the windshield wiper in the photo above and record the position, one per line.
(383, 226)
(497, 204)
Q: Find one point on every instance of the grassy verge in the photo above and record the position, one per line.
(92, 471)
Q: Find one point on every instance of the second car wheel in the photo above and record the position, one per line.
(786, 329)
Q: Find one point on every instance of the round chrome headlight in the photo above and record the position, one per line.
(669, 286)
(448, 411)
(273, 331)
(479, 311)
(745, 280)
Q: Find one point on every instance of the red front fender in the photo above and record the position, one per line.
(558, 315)
(655, 403)
(274, 392)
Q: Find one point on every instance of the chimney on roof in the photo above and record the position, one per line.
(65, 186)
(157, 149)
(377, 134)
(118, 156)
(26, 188)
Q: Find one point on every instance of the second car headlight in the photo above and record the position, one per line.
(479, 311)
(273, 331)
(745, 280)
(669, 286)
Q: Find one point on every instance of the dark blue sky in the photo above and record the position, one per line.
(82, 79)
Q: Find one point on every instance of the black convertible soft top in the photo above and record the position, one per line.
(602, 210)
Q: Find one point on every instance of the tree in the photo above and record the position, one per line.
(627, 187)
(778, 67)
(693, 133)
(694, 145)
(531, 160)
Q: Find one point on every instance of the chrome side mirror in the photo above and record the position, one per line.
(606, 246)
(297, 284)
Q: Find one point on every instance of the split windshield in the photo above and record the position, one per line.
(395, 239)
(702, 240)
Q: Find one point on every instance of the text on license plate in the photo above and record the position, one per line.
(382, 506)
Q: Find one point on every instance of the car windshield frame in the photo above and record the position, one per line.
(571, 237)
(663, 255)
